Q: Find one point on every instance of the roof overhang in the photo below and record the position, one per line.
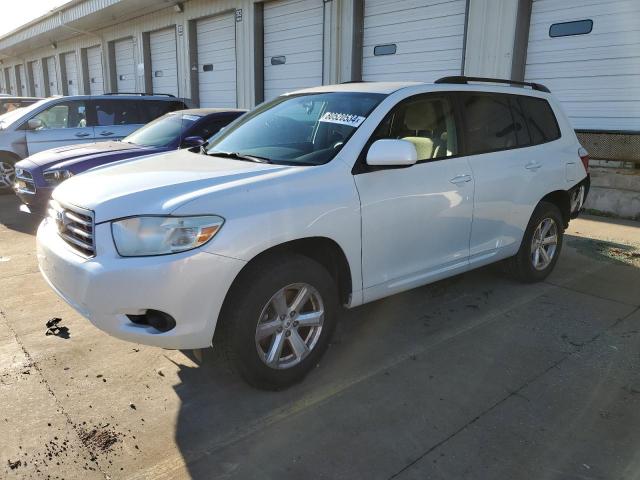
(74, 18)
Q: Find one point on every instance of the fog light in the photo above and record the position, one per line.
(163, 322)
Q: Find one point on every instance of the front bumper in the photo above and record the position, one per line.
(35, 202)
(190, 286)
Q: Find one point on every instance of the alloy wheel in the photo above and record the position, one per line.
(7, 174)
(544, 244)
(289, 326)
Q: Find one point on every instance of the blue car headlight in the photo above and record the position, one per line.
(56, 177)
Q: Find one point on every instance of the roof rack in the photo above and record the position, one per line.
(461, 79)
(141, 94)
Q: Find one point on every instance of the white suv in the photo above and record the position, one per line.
(336, 195)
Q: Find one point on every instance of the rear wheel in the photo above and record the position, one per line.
(7, 173)
(278, 320)
(540, 246)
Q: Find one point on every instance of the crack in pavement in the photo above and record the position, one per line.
(60, 407)
(513, 393)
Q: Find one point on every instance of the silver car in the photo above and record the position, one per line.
(61, 121)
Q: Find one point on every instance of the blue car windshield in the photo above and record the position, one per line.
(163, 131)
(305, 129)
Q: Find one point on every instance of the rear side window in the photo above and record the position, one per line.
(116, 112)
(542, 123)
(519, 122)
(152, 109)
(489, 125)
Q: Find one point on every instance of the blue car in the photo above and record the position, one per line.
(39, 174)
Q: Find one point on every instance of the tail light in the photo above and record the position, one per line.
(584, 156)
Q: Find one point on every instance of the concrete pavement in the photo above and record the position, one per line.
(472, 377)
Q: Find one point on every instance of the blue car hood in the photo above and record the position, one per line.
(68, 154)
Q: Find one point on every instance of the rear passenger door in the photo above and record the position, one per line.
(115, 118)
(64, 123)
(511, 173)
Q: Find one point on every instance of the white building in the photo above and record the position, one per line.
(241, 52)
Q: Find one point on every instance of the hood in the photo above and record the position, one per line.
(158, 184)
(53, 156)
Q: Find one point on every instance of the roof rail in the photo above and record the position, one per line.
(461, 79)
(141, 94)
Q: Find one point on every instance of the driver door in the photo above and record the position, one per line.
(416, 220)
(64, 123)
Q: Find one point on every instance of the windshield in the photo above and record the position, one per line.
(307, 129)
(162, 131)
(10, 117)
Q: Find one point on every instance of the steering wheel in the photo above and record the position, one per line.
(337, 145)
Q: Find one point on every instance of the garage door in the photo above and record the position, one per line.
(216, 39)
(164, 61)
(588, 54)
(71, 71)
(21, 80)
(412, 40)
(35, 70)
(94, 70)
(52, 76)
(125, 65)
(293, 41)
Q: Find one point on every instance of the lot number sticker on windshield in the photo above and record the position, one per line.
(342, 119)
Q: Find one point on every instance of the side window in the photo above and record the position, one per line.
(541, 121)
(64, 115)
(489, 124)
(206, 129)
(152, 109)
(519, 123)
(116, 112)
(426, 121)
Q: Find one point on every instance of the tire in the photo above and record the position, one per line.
(256, 301)
(527, 266)
(7, 174)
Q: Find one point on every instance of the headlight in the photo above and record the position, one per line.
(54, 177)
(140, 236)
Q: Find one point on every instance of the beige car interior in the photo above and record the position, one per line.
(429, 128)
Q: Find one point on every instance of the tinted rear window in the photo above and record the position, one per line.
(489, 124)
(116, 112)
(499, 122)
(542, 123)
(152, 109)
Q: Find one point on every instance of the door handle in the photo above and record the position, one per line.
(533, 166)
(106, 134)
(82, 134)
(460, 179)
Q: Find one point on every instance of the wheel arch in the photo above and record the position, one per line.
(323, 250)
(10, 155)
(562, 200)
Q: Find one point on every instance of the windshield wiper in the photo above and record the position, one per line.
(241, 156)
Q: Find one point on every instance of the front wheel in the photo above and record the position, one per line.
(278, 320)
(7, 174)
(540, 246)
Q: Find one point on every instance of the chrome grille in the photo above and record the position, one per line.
(75, 226)
(24, 181)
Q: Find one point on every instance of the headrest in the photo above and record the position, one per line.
(420, 115)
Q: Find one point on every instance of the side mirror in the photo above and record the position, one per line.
(34, 124)
(392, 152)
(193, 142)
